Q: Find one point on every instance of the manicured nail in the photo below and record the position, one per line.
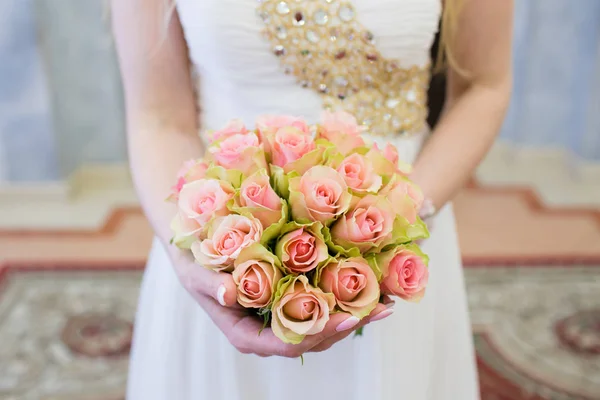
(347, 324)
(391, 304)
(384, 314)
(221, 295)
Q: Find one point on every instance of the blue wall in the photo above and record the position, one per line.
(556, 99)
(26, 138)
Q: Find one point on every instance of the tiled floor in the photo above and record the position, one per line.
(69, 274)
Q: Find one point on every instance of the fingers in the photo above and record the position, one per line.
(201, 281)
(245, 332)
(242, 330)
(380, 312)
(244, 335)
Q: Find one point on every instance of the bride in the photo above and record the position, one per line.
(194, 65)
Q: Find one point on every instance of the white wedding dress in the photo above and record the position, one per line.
(315, 53)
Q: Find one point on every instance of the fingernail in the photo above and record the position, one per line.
(221, 295)
(391, 304)
(347, 324)
(384, 314)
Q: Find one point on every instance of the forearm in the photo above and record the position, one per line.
(156, 154)
(460, 141)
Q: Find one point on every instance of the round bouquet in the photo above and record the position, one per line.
(310, 220)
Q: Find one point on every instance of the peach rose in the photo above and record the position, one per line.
(272, 123)
(192, 170)
(185, 230)
(353, 283)
(299, 309)
(341, 129)
(233, 127)
(340, 122)
(321, 194)
(359, 174)
(387, 162)
(404, 272)
(226, 238)
(288, 145)
(240, 151)
(367, 226)
(391, 153)
(263, 203)
(204, 199)
(302, 249)
(256, 274)
(406, 197)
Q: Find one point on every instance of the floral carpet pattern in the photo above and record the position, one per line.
(68, 297)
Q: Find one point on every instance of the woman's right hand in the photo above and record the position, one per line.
(216, 293)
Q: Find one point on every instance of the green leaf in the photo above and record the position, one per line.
(338, 250)
(306, 162)
(280, 181)
(232, 176)
(266, 314)
(359, 331)
(332, 158)
(316, 278)
(302, 359)
(282, 286)
(274, 230)
(404, 232)
(372, 261)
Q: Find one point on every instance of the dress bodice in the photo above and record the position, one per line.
(369, 57)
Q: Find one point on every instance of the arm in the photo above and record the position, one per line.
(161, 116)
(162, 133)
(161, 123)
(476, 102)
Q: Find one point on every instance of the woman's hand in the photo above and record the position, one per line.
(216, 293)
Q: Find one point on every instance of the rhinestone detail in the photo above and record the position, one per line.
(329, 51)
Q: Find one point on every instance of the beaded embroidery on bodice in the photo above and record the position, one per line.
(323, 44)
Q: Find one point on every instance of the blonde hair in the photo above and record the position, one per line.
(448, 31)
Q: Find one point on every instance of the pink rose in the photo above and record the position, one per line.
(300, 309)
(405, 272)
(191, 170)
(185, 230)
(353, 283)
(359, 174)
(302, 249)
(367, 226)
(288, 145)
(341, 129)
(257, 194)
(233, 127)
(272, 123)
(204, 199)
(387, 162)
(319, 195)
(340, 122)
(256, 274)
(390, 152)
(240, 151)
(406, 197)
(226, 238)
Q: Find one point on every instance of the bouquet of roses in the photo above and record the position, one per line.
(309, 220)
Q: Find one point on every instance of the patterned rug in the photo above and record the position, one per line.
(68, 298)
(65, 331)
